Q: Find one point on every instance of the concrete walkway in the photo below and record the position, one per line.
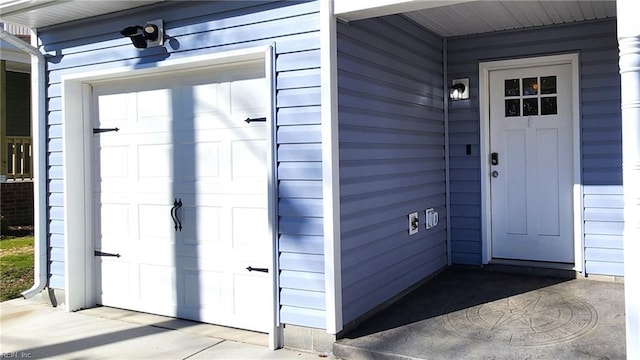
(474, 314)
(30, 330)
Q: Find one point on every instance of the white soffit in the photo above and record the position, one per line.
(464, 17)
(41, 13)
(486, 16)
(350, 10)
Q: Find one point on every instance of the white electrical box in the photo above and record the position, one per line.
(431, 217)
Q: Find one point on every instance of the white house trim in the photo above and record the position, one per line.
(330, 168)
(485, 189)
(77, 137)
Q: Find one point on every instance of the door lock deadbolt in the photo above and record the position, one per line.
(494, 158)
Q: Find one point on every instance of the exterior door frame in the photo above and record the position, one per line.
(79, 266)
(485, 181)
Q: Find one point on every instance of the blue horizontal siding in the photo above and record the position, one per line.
(391, 133)
(299, 115)
(300, 189)
(201, 28)
(312, 300)
(600, 123)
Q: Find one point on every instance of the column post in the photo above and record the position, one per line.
(629, 44)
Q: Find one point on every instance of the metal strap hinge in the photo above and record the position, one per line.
(97, 130)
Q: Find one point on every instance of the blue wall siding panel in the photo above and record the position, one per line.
(600, 132)
(200, 28)
(391, 133)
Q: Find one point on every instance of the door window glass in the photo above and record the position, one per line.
(530, 107)
(512, 107)
(529, 86)
(549, 105)
(524, 96)
(512, 87)
(547, 85)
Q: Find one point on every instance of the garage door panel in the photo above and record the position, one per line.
(203, 289)
(121, 283)
(154, 162)
(115, 220)
(114, 108)
(203, 161)
(157, 285)
(248, 159)
(201, 225)
(114, 162)
(245, 288)
(155, 106)
(208, 101)
(249, 227)
(247, 98)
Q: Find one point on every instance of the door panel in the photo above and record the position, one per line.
(531, 186)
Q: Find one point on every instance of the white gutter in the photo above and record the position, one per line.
(38, 119)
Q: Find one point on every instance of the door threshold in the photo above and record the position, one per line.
(536, 268)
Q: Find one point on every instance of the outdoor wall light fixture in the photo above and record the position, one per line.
(149, 35)
(459, 89)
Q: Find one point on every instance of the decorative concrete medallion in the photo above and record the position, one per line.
(539, 317)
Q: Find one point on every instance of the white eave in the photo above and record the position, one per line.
(41, 13)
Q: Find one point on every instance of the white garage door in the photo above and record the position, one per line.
(181, 196)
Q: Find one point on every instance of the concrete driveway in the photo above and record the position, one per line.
(30, 330)
(471, 314)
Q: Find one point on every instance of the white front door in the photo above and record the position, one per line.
(181, 196)
(530, 120)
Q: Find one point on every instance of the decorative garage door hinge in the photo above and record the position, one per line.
(100, 253)
(250, 120)
(97, 130)
(264, 270)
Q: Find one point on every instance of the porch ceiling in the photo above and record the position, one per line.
(464, 17)
(485, 16)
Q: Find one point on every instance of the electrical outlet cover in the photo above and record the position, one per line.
(414, 223)
(431, 218)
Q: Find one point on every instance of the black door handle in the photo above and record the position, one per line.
(264, 270)
(178, 214)
(173, 214)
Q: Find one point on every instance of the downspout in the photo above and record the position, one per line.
(38, 119)
(447, 169)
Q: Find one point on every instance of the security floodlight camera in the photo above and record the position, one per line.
(149, 35)
(135, 33)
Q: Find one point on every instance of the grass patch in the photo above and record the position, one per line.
(16, 266)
